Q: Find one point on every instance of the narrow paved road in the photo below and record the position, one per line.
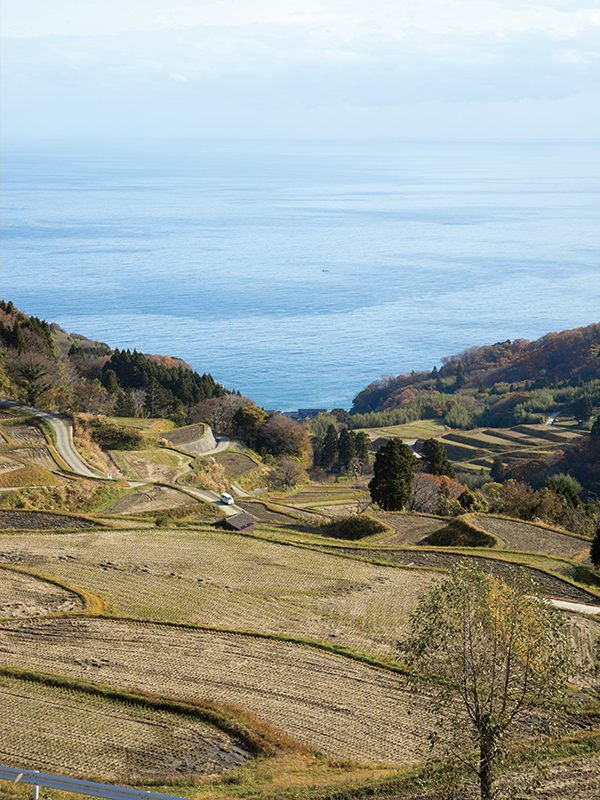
(63, 439)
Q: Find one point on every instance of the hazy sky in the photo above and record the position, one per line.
(301, 68)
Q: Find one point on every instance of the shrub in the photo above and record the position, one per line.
(357, 526)
(458, 533)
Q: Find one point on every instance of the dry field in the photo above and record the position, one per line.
(337, 706)
(161, 465)
(152, 498)
(25, 434)
(65, 731)
(551, 585)
(410, 529)
(38, 454)
(528, 538)
(24, 596)
(230, 581)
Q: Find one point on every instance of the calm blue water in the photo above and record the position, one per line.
(300, 272)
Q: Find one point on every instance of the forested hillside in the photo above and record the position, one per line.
(43, 365)
(508, 383)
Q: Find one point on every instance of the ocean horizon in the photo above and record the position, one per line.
(299, 272)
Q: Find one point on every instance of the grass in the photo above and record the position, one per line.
(28, 475)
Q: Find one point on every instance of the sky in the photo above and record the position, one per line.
(316, 69)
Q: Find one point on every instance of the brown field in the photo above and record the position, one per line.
(551, 585)
(409, 529)
(40, 520)
(64, 731)
(160, 465)
(230, 581)
(235, 464)
(152, 498)
(185, 435)
(37, 454)
(528, 538)
(340, 707)
(24, 596)
(25, 434)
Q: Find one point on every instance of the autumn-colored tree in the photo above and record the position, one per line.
(491, 651)
(282, 436)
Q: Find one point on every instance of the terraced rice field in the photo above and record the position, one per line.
(230, 581)
(24, 596)
(65, 731)
(337, 706)
(528, 538)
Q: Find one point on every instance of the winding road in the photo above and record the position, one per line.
(63, 439)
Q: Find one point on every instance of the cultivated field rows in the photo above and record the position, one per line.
(24, 596)
(528, 538)
(340, 707)
(230, 581)
(62, 731)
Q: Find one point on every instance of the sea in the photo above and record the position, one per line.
(298, 272)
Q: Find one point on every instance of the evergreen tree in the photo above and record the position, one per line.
(125, 405)
(329, 449)
(566, 488)
(595, 549)
(435, 458)
(111, 382)
(498, 473)
(346, 447)
(596, 427)
(391, 484)
(461, 376)
(18, 339)
(154, 400)
(363, 445)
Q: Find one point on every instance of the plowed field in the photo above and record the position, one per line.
(24, 596)
(531, 538)
(340, 707)
(61, 731)
(230, 581)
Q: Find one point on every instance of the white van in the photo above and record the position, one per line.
(227, 499)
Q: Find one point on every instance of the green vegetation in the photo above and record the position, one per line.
(458, 533)
(358, 526)
(391, 484)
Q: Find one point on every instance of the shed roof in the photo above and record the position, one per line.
(237, 521)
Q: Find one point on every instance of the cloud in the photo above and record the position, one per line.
(276, 59)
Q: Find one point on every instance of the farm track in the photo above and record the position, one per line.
(340, 707)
